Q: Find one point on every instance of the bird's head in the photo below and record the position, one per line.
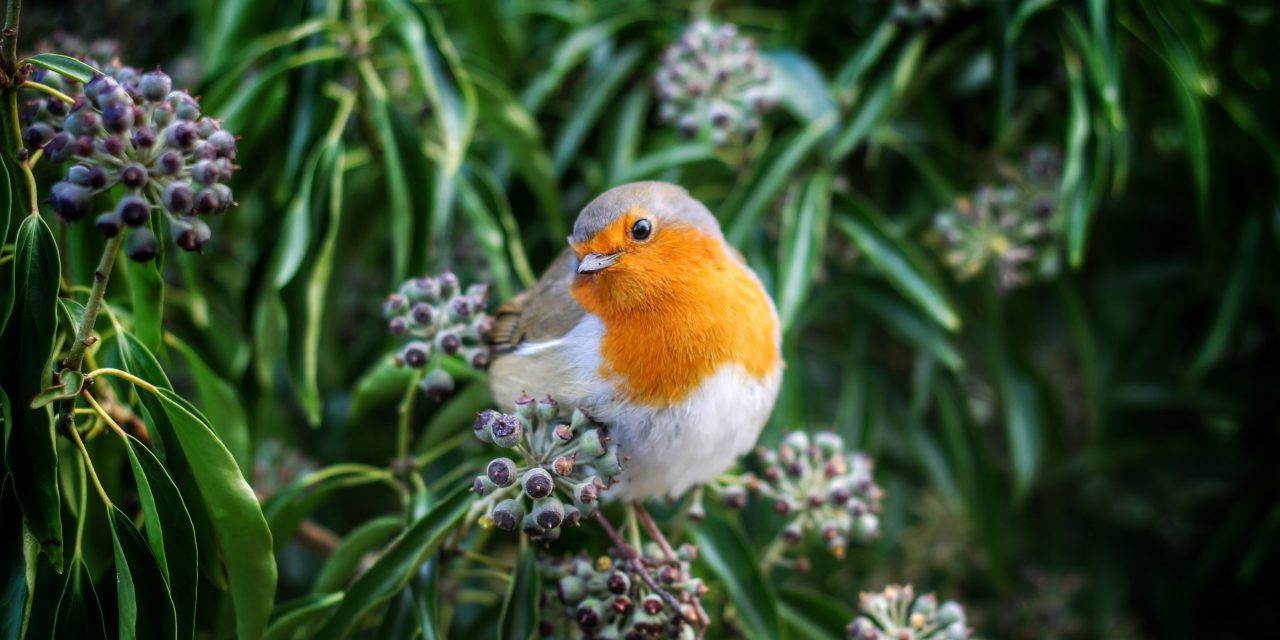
(642, 245)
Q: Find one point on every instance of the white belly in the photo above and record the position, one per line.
(670, 449)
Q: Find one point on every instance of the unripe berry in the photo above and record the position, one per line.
(170, 163)
(525, 407)
(422, 314)
(134, 176)
(484, 423)
(155, 85)
(425, 289)
(141, 245)
(184, 106)
(144, 137)
(571, 590)
(438, 385)
(163, 115)
(537, 483)
(548, 512)
(530, 526)
(71, 201)
(506, 431)
(398, 326)
(448, 284)
(593, 443)
(507, 514)
(548, 409)
(205, 172)
(415, 354)
(223, 144)
(118, 117)
(181, 134)
(134, 211)
(585, 496)
(177, 198)
(190, 234)
(37, 135)
(59, 147)
(502, 471)
(482, 486)
(108, 224)
(609, 464)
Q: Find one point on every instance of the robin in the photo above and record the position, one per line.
(653, 325)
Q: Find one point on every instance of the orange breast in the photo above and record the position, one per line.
(675, 310)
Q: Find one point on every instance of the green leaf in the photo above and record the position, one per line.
(298, 618)
(169, 532)
(654, 164)
(361, 541)
(17, 565)
(286, 509)
(392, 571)
(598, 88)
(6, 212)
(78, 614)
(62, 65)
(1233, 300)
(144, 604)
(237, 519)
(139, 361)
(146, 290)
(908, 323)
(725, 553)
(571, 51)
(804, 237)
(1074, 200)
(69, 385)
(318, 286)
(26, 348)
(426, 600)
(800, 85)
(813, 614)
(747, 214)
(898, 261)
(222, 404)
(519, 620)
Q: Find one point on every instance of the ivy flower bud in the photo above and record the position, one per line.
(507, 514)
(525, 407)
(502, 471)
(537, 483)
(951, 613)
(141, 245)
(548, 512)
(506, 431)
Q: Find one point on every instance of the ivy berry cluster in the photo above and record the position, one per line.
(897, 614)
(435, 316)
(130, 134)
(824, 490)
(612, 597)
(563, 466)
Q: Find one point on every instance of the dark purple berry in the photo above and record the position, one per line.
(422, 314)
(207, 201)
(181, 134)
(134, 176)
(71, 201)
(177, 198)
(155, 85)
(113, 145)
(108, 224)
(37, 135)
(170, 163)
(144, 138)
(118, 117)
(141, 246)
(224, 144)
(134, 211)
(59, 147)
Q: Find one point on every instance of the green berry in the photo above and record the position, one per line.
(483, 486)
(438, 385)
(571, 590)
(155, 85)
(507, 514)
(609, 464)
(593, 443)
(951, 613)
(548, 409)
(525, 408)
(548, 512)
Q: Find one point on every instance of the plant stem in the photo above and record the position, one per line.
(100, 277)
(93, 475)
(403, 427)
(10, 35)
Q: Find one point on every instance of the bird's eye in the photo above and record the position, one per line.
(641, 229)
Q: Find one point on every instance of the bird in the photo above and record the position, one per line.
(654, 325)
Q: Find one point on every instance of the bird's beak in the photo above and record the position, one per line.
(593, 262)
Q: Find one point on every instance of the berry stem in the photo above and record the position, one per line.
(94, 305)
(404, 425)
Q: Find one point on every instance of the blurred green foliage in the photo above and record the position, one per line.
(1086, 454)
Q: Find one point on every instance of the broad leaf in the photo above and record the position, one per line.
(145, 608)
(63, 65)
(723, 550)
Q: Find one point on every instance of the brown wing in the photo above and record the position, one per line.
(545, 311)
